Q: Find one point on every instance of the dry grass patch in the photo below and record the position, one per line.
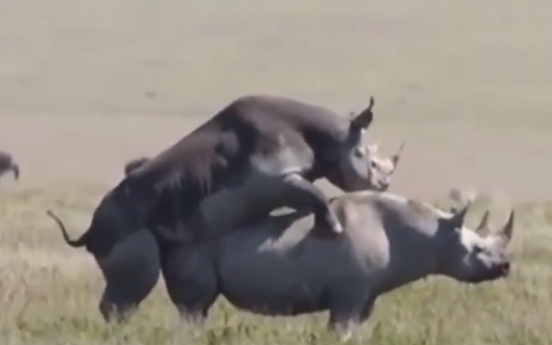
(50, 292)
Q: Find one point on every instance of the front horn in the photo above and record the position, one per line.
(508, 229)
(397, 155)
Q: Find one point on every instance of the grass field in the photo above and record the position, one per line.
(85, 86)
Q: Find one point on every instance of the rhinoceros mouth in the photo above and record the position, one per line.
(382, 187)
(504, 270)
(494, 273)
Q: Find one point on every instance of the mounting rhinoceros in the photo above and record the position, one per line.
(259, 150)
(127, 252)
(8, 164)
(222, 166)
(256, 155)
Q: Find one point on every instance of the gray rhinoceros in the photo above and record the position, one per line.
(128, 253)
(8, 164)
(277, 266)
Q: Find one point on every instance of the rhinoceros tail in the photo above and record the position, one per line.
(73, 243)
(15, 170)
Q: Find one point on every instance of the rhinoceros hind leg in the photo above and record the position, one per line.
(131, 271)
(348, 311)
(191, 283)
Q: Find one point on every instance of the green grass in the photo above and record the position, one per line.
(50, 292)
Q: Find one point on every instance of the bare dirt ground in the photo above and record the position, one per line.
(85, 86)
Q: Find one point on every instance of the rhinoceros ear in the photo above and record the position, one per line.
(457, 219)
(419, 207)
(362, 120)
(134, 164)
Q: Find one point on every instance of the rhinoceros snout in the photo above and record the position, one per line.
(504, 269)
(384, 186)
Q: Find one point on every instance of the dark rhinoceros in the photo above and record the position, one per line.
(259, 150)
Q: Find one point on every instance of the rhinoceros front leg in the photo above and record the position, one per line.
(300, 193)
(131, 271)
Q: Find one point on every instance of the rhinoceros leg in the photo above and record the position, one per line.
(131, 271)
(191, 281)
(250, 199)
(348, 310)
(301, 194)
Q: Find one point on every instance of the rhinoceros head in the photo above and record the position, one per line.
(361, 166)
(468, 256)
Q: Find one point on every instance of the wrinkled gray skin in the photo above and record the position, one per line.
(277, 266)
(8, 165)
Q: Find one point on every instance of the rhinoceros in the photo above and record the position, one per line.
(278, 266)
(122, 246)
(261, 150)
(8, 164)
(156, 190)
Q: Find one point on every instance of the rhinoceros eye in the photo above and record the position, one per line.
(478, 249)
(360, 151)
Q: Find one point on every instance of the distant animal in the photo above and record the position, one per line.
(8, 164)
(278, 266)
(259, 150)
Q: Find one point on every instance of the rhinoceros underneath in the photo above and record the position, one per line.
(278, 266)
